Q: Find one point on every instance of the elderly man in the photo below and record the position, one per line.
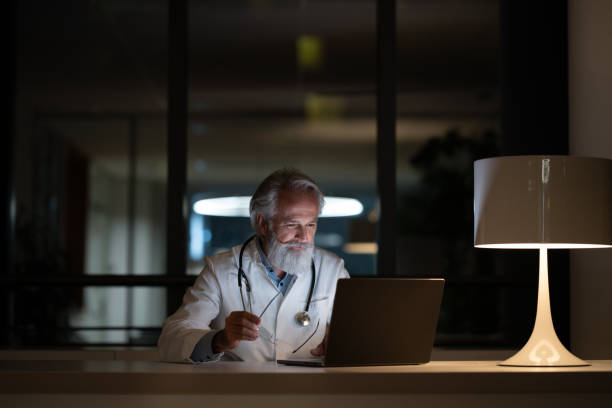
(268, 299)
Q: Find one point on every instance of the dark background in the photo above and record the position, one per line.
(199, 98)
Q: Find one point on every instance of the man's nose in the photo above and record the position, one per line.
(299, 232)
(302, 233)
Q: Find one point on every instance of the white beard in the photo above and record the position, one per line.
(289, 260)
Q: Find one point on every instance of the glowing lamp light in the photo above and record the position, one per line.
(543, 202)
(238, 206)
(361, 248)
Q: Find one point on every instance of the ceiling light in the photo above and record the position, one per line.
(238, 206)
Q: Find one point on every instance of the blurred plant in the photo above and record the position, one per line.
(441, 204)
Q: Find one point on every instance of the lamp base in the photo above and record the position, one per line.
(543, 349)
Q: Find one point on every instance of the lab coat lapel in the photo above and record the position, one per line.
(288, 331)
(262, 287)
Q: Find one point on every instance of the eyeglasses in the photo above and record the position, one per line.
(264, 334)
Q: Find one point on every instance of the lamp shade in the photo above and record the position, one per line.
(542, 201)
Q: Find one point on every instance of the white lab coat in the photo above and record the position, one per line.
(215, 294)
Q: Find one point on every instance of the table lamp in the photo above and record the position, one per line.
(543, 202)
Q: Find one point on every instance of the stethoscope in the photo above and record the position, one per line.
(301, 318)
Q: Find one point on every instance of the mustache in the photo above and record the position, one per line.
(304, 245)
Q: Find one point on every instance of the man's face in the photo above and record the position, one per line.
(289, 235)
(296, 216)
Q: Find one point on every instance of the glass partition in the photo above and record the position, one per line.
(283, 84)
(90, 165)
(447, 116)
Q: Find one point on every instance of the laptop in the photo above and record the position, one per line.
(381, 321)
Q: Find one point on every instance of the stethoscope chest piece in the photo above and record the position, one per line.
(302, 319)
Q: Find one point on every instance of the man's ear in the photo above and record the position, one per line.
(262, 223)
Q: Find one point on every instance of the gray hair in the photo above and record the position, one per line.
(264, 200)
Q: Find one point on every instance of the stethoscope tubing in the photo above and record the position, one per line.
(241, 274)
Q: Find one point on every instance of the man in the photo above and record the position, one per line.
(274, 309)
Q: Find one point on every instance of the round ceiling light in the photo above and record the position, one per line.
(238, 206)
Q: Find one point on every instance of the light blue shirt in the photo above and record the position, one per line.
(202, 351)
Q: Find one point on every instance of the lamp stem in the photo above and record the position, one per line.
(544, 321)
(543, 348)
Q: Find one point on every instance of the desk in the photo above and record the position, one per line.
(154, 384)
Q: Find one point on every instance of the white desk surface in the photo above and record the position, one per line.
(219, 378)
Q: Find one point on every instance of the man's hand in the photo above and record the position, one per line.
(238, 326)
(319, 351)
